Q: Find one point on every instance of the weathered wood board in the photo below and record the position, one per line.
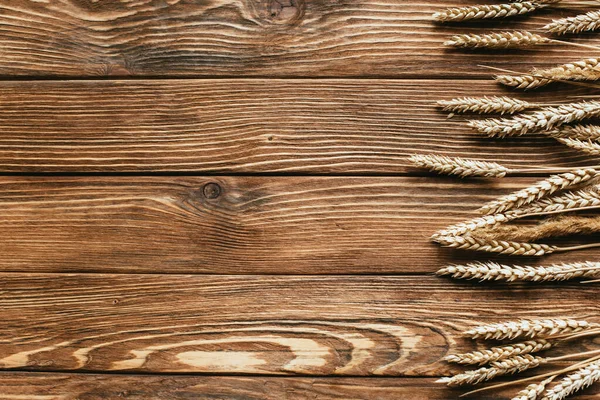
(58, 386)
(229, 38)
(245, 126)
(239, 225)
(351, 325)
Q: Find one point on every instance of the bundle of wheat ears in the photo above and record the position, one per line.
(522, 339)
(558, 201)
(520, 222)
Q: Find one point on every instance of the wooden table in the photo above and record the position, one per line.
(211, 199)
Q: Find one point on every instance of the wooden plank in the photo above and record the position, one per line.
(249, 126)
(348, 325)
(231, 225)
(57, 386)
(234, 38)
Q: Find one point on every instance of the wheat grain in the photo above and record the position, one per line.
(471, 225)
(540, 189)
(533, 391)
(499, 353)
(588, 197)
(486, 11)
(545, 119)
(581, 132)
(458, 166)
(495, 246)
(588, 146)
(579, 23)
(583, 70)
(491, 271)
(499, 40)
(528, 328)
(574, 382)
(485, 105)
(508, 366)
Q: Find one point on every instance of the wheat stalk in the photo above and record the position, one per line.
(491, 271)
(545, 119)
(540, 189)
(458, 166)
(574, 382)
(583, 70)
(588, 197)
(508, 366)
(533, 391)
(581, 132)
(499, 353)
(579, 23)
(496, 246)
(588, 146)
(498, 40)
(528, 328)
(485, 105)
(486, 11)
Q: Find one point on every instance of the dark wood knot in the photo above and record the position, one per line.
(211, 190)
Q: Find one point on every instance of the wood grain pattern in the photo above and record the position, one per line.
(250, 38)
(59, 386)
(231, 225)
(249, 126)
(359, 326)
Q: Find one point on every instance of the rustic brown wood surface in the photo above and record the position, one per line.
(294, 38)
(250, 126)
(212, 199)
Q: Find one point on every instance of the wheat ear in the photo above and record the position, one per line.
(499, 40)
(487, 221)
(487, 11)
(540, 189)
(588, 146)
(458, 166)
(528, 328)
(579, 23)
(508, 366)
(525, 81)
(491, 271)
(499, 353)
(533, 391)
(574, 382)
(581, 132)
(588, 197)
(583, 70)
(546, 118)
(485, 105)
(496, 246)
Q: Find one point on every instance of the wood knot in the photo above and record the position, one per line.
(285, 11)
(211, 190)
